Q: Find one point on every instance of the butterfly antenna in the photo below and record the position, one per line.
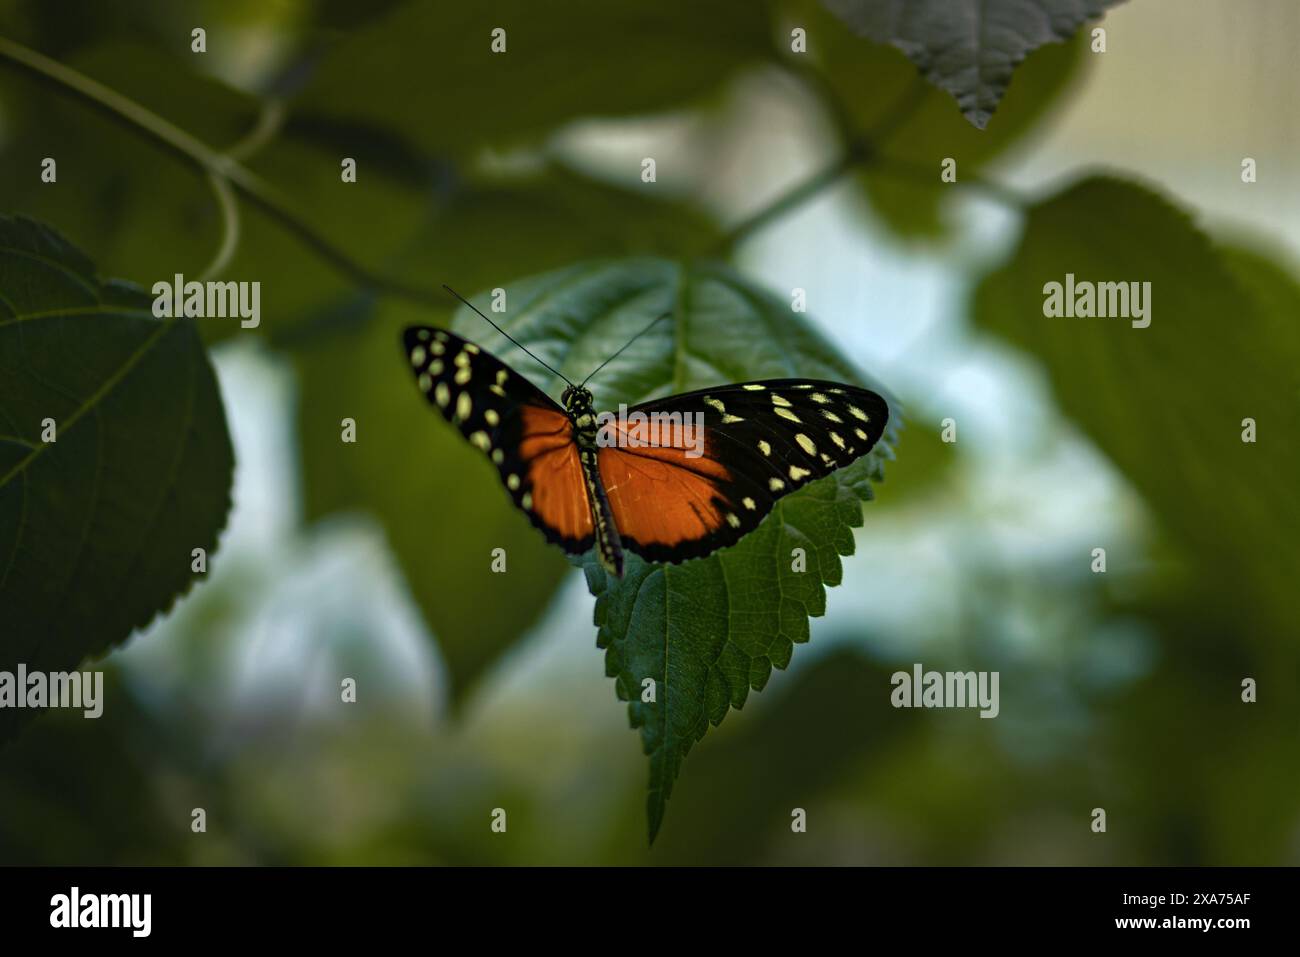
(625, 345)
(506, 334)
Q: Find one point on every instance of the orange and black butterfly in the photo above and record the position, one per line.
(587, 480)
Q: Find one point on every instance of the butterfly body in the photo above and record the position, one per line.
(578, 403)
(587, 479)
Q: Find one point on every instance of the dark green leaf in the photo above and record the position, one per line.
(1167, 402)
(706, 631)
(970, 48)
(97, 527)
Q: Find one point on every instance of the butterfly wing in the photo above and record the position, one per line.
(527, 436)
(761, 441)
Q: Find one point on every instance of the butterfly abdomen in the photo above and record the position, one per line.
(609, 545)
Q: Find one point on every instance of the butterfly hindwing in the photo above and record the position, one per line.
(526, 436)
(762, 440)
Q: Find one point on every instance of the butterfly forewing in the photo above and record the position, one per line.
(526, 436)
(761, 441)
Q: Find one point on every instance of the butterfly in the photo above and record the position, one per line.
(666, 492)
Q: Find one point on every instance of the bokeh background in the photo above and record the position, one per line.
(1119, 691)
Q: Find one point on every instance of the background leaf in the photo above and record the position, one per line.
(709, 630)
(96, 528)
(969, 48)
(1212, 356)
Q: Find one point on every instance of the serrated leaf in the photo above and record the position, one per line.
(1167, 402)
(706, 631)
(96, 527)
(970, 48)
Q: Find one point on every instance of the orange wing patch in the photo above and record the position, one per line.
(662, 497)
(554, 474)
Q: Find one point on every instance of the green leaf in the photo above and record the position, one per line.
(969, 48)
(706, 631)
(429, 69)
(422, 482)
(1166, 403)
(97, 527)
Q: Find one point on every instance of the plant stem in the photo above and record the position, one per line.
(217, 165)
(861, 150)
(796, 196)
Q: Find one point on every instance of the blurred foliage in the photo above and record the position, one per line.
(1211, 357)
(110, 178)
(868, 81)
(575, 59)
(103, 493)
(1120, 691)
